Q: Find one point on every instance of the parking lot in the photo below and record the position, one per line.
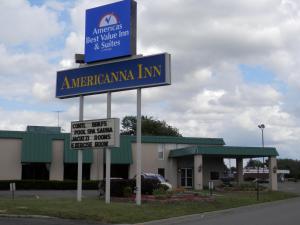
(293, 187)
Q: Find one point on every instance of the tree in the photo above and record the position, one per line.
(252, 163)
(290, 164)
(150, 127)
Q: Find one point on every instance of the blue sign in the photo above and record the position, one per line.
(141, 72)
(110, 31)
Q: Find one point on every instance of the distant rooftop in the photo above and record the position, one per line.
(43, 129)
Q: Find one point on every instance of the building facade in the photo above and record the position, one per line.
(44, 153)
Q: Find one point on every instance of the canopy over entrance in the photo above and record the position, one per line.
(225, 151)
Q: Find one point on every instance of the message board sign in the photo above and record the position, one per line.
(95, 133)
(149, 71)
(110, 31)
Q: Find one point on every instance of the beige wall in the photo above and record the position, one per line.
(97, 164)
(215, 164)
(10, 160)
(57, 164)
(151, 163)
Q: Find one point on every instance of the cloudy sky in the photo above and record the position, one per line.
(234, 66)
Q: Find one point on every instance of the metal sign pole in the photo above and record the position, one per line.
(138, 146)
(108, 155)
(79, 167)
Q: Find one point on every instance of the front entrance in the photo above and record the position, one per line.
(186, 177)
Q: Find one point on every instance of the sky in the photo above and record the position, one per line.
(234, 66)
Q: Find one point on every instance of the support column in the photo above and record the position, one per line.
(239, 170)
(273, 173)
(198, 172)
(172, 172)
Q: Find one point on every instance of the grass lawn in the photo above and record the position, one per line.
(117, 212)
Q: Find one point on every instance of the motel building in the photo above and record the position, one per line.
(44, 153)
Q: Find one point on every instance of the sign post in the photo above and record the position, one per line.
(79, 167)
(108, 155)
(210, 187)
(92, 134)
(12, 187)
(139, 147)
(110, 36)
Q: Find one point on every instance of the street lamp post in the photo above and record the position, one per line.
(261, 127)
(58, 111)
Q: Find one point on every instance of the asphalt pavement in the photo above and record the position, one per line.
(276, 213)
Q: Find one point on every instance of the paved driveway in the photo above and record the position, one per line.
(293, 187)
(277, 213)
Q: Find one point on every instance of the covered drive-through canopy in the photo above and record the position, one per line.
(225, 151)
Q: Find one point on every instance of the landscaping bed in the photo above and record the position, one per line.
(172, 198)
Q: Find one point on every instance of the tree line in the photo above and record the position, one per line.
(150, 127)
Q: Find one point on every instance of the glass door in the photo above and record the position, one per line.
(186, 177)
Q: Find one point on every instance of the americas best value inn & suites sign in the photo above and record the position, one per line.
(141, 72)
(110, 31)
(95, 133)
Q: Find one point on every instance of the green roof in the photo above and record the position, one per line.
(71, 155)
(37, 145)
(177, 140)
(43, 130)
(226, 151)
(123, 154)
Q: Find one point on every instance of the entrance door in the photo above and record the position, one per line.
(186, 177)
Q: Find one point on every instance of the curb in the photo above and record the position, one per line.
(26, 216)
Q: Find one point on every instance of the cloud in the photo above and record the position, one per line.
(41, 91)
(26, 24)
(208, 41)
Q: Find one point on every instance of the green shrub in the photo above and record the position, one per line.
(127, 192)
(48, 185)
(149, 185)
(117, 186)
(161, 193)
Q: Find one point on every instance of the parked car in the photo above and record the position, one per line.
(227, 178)
(157, 177)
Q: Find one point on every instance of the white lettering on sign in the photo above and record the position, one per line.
(95, 133)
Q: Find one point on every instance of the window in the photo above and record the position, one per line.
(117, 171)
(161, 152)
(35, 171)
(161, 171)
(214, 175)
(70, 171)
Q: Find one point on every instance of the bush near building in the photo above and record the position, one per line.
(48, 185)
